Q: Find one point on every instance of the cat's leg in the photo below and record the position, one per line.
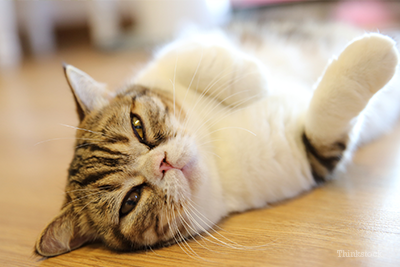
(349, 82)
(212, 66)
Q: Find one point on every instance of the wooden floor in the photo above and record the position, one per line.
(357, 212)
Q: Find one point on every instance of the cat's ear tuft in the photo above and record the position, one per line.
(61, 235)
(88, 93)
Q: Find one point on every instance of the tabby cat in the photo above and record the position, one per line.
(218, 123)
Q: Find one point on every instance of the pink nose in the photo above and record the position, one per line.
(164, 166)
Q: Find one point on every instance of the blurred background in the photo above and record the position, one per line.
(110, 40)
(42, 28)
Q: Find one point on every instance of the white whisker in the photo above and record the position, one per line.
(89, 144)
(190, 218)
(86, 130)
(184, 239)
(206, 90)
(233, 127)
(226, 85)
(177, 241)
(64, 138)
(235, 245)
(190, 84)
(221, 117)
(176, 63)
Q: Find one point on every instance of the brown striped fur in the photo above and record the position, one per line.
(323, 159)
(105, 156)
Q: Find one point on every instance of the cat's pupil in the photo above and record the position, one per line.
(132, 201)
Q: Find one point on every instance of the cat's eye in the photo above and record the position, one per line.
(130, 201)
(137, 127)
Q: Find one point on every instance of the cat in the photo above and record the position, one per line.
(216, 123)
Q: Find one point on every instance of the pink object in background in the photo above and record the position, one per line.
(367, 14)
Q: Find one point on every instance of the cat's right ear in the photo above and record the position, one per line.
(61, 235)
(88, 93)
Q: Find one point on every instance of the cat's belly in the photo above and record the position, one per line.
(260, 155)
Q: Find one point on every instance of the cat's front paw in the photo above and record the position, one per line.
(212, 66)
(370, 61)
(349, 82)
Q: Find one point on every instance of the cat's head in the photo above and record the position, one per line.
(138, 177)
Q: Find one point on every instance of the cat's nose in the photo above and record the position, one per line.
(161, 165)
(165, 166)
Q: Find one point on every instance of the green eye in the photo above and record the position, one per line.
(130, 201)
(137, 127)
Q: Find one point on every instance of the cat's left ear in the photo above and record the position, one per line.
(62, 235)
(88, 93)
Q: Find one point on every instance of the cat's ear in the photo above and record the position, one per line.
(88, 93)
(61, 235)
